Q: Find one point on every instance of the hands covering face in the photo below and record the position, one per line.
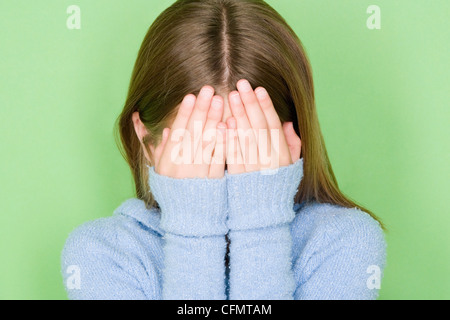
(199, 144)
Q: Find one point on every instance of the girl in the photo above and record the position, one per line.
(235, 194)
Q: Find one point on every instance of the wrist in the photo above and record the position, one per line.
(263, 198)
(192, 206)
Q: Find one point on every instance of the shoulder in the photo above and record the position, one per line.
(115, 257)
(335, 251)
(130, 225)
(319, 224)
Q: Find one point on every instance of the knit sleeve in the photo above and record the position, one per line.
(193, 217)
(260, 212)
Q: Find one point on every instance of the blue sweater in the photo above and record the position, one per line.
(278, 249)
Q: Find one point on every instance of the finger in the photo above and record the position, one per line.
(246, 137)
(160, 148)
(178, 129)
(179, 126)
(253, 109)
(184, 112)
(234, 158)
(279, 143)
(201, 108)
(199, 115)
(215, 113)
(293, 141)
(214, 117)
(258, 122)
(267, 107)
(217, 167)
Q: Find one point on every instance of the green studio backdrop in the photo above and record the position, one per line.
(382, 98)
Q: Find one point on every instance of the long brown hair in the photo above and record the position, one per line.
(218, 42)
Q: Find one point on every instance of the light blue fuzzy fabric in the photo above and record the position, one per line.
(278, 249)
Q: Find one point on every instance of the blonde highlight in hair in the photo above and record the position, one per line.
(218, 42)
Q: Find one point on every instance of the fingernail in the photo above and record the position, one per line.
(245, 86)
(235, 97)
(261, 93)
(189, 99)
(216, 103)
(207, 91)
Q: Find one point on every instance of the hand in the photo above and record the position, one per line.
(256, 139)
(194, 147)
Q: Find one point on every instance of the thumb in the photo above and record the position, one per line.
(293, 141)
(160, 148)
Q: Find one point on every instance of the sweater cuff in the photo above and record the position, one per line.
(263, 198)
(195, 207)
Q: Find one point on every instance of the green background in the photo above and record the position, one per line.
(382, 98)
